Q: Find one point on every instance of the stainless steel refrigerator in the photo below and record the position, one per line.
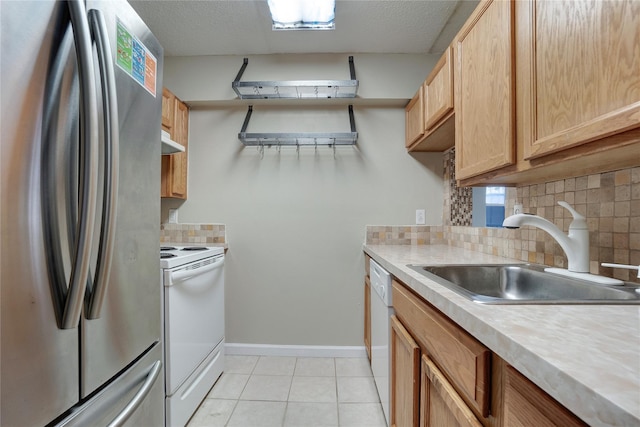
(81, 86)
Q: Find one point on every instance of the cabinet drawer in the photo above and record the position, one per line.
(441, 405)
(526, 405)
(462, 359)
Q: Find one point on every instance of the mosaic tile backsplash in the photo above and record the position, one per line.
(404, 235)
(457, 200)
(610, 201)
(203, 234)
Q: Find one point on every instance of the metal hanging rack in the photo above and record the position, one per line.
(295, 89)
(300, 138)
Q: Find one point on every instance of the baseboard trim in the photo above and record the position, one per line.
(294, 350)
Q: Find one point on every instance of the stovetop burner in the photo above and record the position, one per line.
(194, 248)
(168, 248)
(163, 256)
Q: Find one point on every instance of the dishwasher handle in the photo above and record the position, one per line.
(380, 282)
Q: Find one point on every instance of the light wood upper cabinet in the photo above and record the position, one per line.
(484, 90)
(576, 98)
(438, 91)
(440, 405)
(429, 115)
(175, 166)
(168, 101)
(583, 72)
(405, 377)
(414, 118)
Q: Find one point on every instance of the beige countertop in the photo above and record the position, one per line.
(586, 356)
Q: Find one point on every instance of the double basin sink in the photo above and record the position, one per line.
(525, 284)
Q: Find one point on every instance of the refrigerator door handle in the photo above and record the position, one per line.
(96, 293)
(88, 166)
(139, 397)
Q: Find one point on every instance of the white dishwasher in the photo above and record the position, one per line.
(381, 311)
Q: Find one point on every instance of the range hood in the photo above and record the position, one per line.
(169, 146)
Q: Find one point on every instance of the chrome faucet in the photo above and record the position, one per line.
(575, 244)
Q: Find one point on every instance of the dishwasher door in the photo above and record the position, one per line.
(381, 311)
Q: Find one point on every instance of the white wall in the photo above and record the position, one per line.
(296, 221)
(206, 78)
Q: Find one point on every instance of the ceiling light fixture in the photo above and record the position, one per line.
(302, 14)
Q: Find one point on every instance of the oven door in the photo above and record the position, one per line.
(194, 316)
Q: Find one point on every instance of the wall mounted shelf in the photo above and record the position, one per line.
(295, 89)
(298, 138)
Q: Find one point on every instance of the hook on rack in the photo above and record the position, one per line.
(302, 138)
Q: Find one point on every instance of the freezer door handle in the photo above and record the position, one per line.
(97, 290)
(139, 397)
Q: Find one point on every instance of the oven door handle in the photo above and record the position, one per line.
(182, 275)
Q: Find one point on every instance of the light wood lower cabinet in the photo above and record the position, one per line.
(527, 405)
(405, 377)
(440, 405)
(441, 376)
(367, 315)
(464, 360)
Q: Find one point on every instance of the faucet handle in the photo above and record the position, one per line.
(579, 221)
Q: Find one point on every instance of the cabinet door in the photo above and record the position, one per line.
(527, 405)
(438, 94)
(405, 377)
(175, 166)
(465, 361)
(440, 405)
(367, 316)
(484, 90)
(414, 118)
(168, 101)
(583, 79)
(180, 160)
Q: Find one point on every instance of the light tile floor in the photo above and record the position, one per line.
(260, 391)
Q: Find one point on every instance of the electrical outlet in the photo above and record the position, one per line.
(420, 217)
(173, 216)
(517, 208)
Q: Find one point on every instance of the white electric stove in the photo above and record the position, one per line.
(193, 282)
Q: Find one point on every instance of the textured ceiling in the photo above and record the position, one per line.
(243, 27)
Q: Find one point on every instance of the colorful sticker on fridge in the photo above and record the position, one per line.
(135, 59)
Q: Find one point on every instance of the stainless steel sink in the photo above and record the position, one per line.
(525, 284)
